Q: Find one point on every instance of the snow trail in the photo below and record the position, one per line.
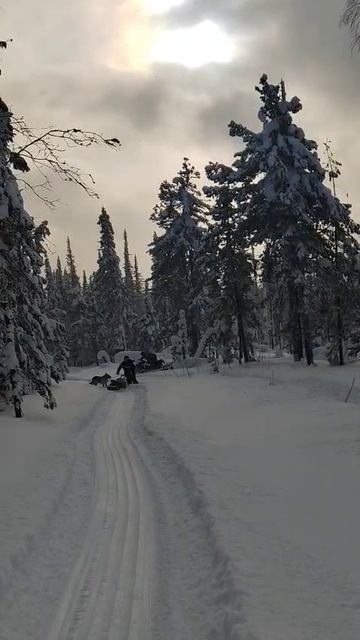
(141, 561)
(109, 592)
(188, 509)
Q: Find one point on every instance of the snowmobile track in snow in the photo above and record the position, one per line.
(109, 593)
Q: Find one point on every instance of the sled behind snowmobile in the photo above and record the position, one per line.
(117, 384)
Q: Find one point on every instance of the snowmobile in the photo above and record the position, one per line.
(142, 366)
(117, 384)
(150, 363)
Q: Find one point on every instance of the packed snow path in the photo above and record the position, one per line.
(124, 547)
(109, 593)
(77, 556)
(187, 508)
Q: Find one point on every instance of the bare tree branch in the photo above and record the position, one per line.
(40, 191)
(351, 19)
(45, 150)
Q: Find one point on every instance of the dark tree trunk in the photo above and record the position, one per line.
(339, 331)
(242, 338)
(339, 321)
(296, 337)
(299, 339)
(295, 322)
(194, 335)
(240, 344)
(272, 326)
(308, 342)
(243, 343)
(17, 407)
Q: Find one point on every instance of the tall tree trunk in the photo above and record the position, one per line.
(339, 331)
(296, 335)
(193, 333)
(299, 339)
(307, 340)
(240, 344)
(295, 322)
(272, 326)
(339, 321)
(241, 351)
(243, 343)
(242, 338)
(17, 407)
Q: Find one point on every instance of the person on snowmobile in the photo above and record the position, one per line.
(128, 367)
(151, 359)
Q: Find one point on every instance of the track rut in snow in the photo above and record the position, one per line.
(198, 595)
(110, 589)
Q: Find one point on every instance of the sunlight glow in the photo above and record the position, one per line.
(193, 46)
(160, 6)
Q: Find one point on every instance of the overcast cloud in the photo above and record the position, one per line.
(80, 63)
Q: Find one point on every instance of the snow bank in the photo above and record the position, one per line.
(277, 465)
(46, 480)
(191, 363)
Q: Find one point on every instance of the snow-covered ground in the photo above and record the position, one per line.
(192, 507)
(74, 512)
(275, 469)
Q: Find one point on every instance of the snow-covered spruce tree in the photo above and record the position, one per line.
(176, 276)
(128, 275)
(50, 285)
(336, 308)
(71, 266)
(74, 308)
(110, 292)
(274, 300)
(161, 303)
(25, 363)
(138, 282)
(183, 334)
(139, 290)
(229, 261)
(148, 326)
(279, 183)
(59, 282)
(93, 322)
(56, 342)
(351, 19)
(340, 277)
(179, 342)
(132, 312)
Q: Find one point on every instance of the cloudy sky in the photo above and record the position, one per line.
(166, 77)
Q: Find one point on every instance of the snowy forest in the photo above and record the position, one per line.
(179, 320)
(264, 255)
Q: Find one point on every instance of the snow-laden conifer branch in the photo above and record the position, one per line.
(351, 19)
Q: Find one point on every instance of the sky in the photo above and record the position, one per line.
(166, 77)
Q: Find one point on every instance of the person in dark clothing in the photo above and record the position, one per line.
(128, 367)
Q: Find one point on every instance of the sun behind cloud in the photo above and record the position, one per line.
(161, 6)
(193, 46)
(140, 38)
